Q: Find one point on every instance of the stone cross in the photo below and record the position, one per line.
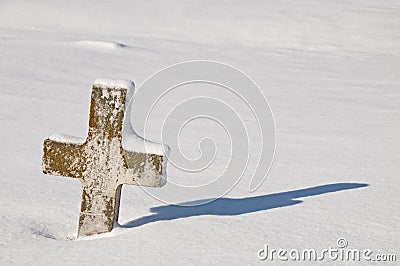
(100, 162)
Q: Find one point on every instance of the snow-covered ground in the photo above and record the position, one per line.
(330, 70)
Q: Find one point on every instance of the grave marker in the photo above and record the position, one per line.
(100, 162)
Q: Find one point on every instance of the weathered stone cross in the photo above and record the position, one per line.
(100, 162)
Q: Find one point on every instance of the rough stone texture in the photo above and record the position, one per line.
(101, 163)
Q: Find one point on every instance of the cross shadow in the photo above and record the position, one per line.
(238, 206)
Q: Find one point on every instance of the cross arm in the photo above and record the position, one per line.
(144, 169)
(64, 159)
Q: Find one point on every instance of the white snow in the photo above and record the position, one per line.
(101, 44)
(330, 71)
(115, 83)
(131, 141)
(66, 138)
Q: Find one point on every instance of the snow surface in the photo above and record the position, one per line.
(330, 70)
(101, 44)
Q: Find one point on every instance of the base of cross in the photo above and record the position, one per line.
(100, 161)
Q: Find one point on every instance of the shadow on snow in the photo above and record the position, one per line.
(238, 206)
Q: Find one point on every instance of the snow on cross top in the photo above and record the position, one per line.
(130, 140)
(115, 83)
